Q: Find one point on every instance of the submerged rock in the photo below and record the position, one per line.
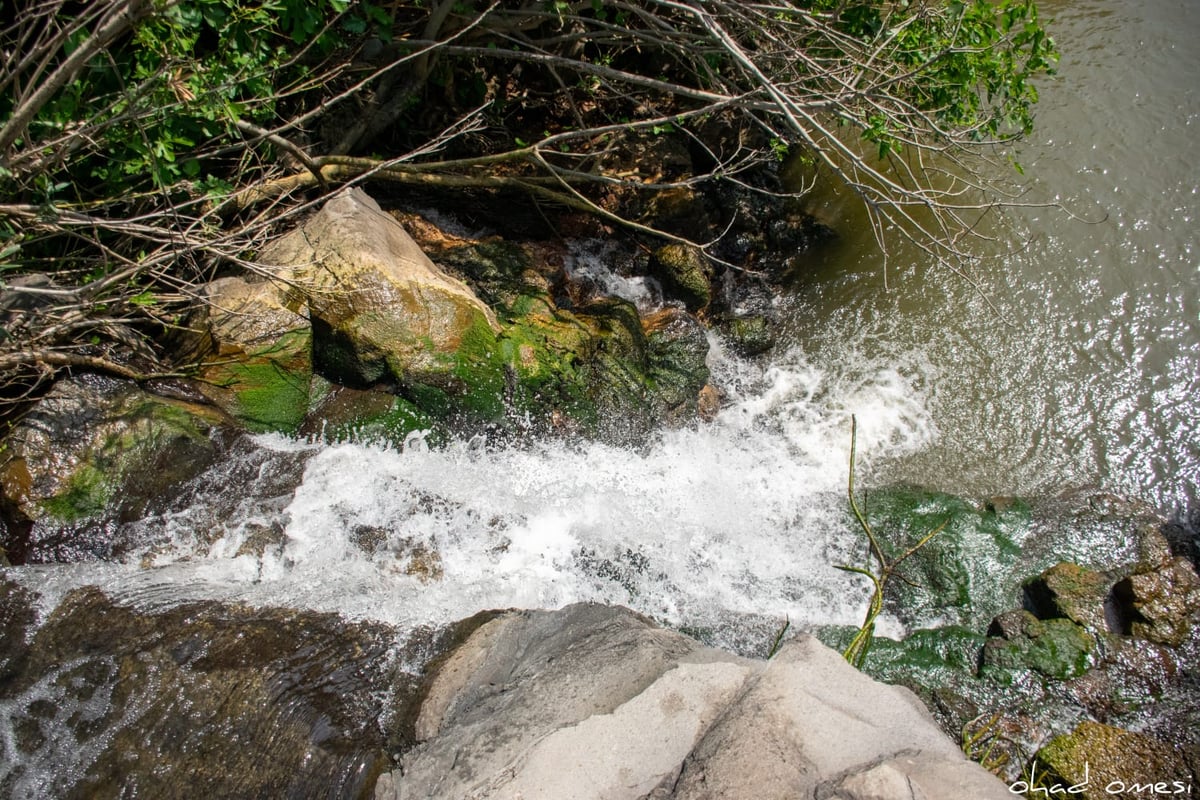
(750, 335)
(1057, 648)
(202, 700)
(676, 365)
(963, 575)
(596, 702)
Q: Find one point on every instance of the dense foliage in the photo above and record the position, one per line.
(145, 145)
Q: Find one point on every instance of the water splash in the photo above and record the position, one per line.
(714, 527)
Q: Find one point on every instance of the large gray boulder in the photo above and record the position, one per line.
(597, 702)
(381, 310)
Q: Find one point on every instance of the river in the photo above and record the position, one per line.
(1075, 364)
(1085, 367)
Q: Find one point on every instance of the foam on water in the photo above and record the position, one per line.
(742, 518)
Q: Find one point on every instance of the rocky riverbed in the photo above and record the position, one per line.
(1062, 628)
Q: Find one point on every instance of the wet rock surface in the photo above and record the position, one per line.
(685, 272)
(596, 702)
(1113, 644)
(93, 452)
(204, 699)
(570, 356)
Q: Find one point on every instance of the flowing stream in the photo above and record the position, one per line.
(1083, 370)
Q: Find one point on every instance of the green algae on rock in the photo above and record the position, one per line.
(386, 317)
(685, 273)
(97, 447)
(964, 574)
(256, 353)
(1056, 648)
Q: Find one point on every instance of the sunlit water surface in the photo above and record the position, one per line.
(1078, 360)
(1082, 370)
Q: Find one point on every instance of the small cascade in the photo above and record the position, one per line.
(726, 528)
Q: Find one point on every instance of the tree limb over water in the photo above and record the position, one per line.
(147, 146)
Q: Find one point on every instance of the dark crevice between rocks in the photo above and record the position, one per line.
(1119, 610)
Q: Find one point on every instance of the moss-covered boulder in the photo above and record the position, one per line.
(1056, 648)
(750, 334)
(381, 311)
(685, 273)
(364, 415)
(1161, 605)
(96, 448)
(1070, 591)
(1100, 761)
(256, 351)
(602, 369)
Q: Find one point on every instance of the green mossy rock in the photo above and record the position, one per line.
(1072, 592)
(257, 351)
(269, 388)
(97, 447)
(927, 657)
(964, 574)
(1102, 761)
(749, 335)
(1056, 648)
(345, 414)
(685, 274)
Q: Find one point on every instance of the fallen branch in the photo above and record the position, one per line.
(885, 568)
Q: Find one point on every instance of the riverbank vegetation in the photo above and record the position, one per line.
(148, 146)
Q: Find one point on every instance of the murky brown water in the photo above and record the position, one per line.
(1090, 373)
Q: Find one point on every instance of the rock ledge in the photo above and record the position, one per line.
(596, 702)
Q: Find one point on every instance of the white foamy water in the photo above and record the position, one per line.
(716, 527)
